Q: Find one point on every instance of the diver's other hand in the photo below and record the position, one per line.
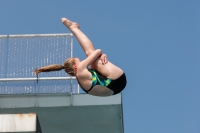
(104, 58)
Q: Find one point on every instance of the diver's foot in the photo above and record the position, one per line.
(69, 24)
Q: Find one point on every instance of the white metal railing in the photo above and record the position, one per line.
(34, 79)
(24, 52)
(36, 35)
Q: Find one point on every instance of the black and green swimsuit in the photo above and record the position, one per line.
(115, 85)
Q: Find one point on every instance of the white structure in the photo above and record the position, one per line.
(18, 122)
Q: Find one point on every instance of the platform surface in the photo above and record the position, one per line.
(56, 113)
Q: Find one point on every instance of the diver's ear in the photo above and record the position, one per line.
(75, 67)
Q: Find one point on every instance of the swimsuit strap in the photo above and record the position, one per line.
(94, 81)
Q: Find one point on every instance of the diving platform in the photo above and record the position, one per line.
(57, 114)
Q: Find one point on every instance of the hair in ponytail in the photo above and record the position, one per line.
(68, 67)
(53, 67)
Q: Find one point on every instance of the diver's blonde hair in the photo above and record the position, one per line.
(68, 67)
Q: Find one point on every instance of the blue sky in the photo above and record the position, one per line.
(155, 42)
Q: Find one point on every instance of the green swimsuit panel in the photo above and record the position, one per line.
(98, 79)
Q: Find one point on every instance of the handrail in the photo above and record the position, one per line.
(33, 79)
(36, 35)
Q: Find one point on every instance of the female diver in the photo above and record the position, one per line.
(103, 79)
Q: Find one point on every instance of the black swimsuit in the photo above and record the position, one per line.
(116, 85)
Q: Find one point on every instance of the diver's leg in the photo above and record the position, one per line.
(84, 41)
(108, 70)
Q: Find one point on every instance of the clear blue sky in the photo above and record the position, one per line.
(156, 42)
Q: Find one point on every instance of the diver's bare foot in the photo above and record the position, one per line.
(69, 24)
